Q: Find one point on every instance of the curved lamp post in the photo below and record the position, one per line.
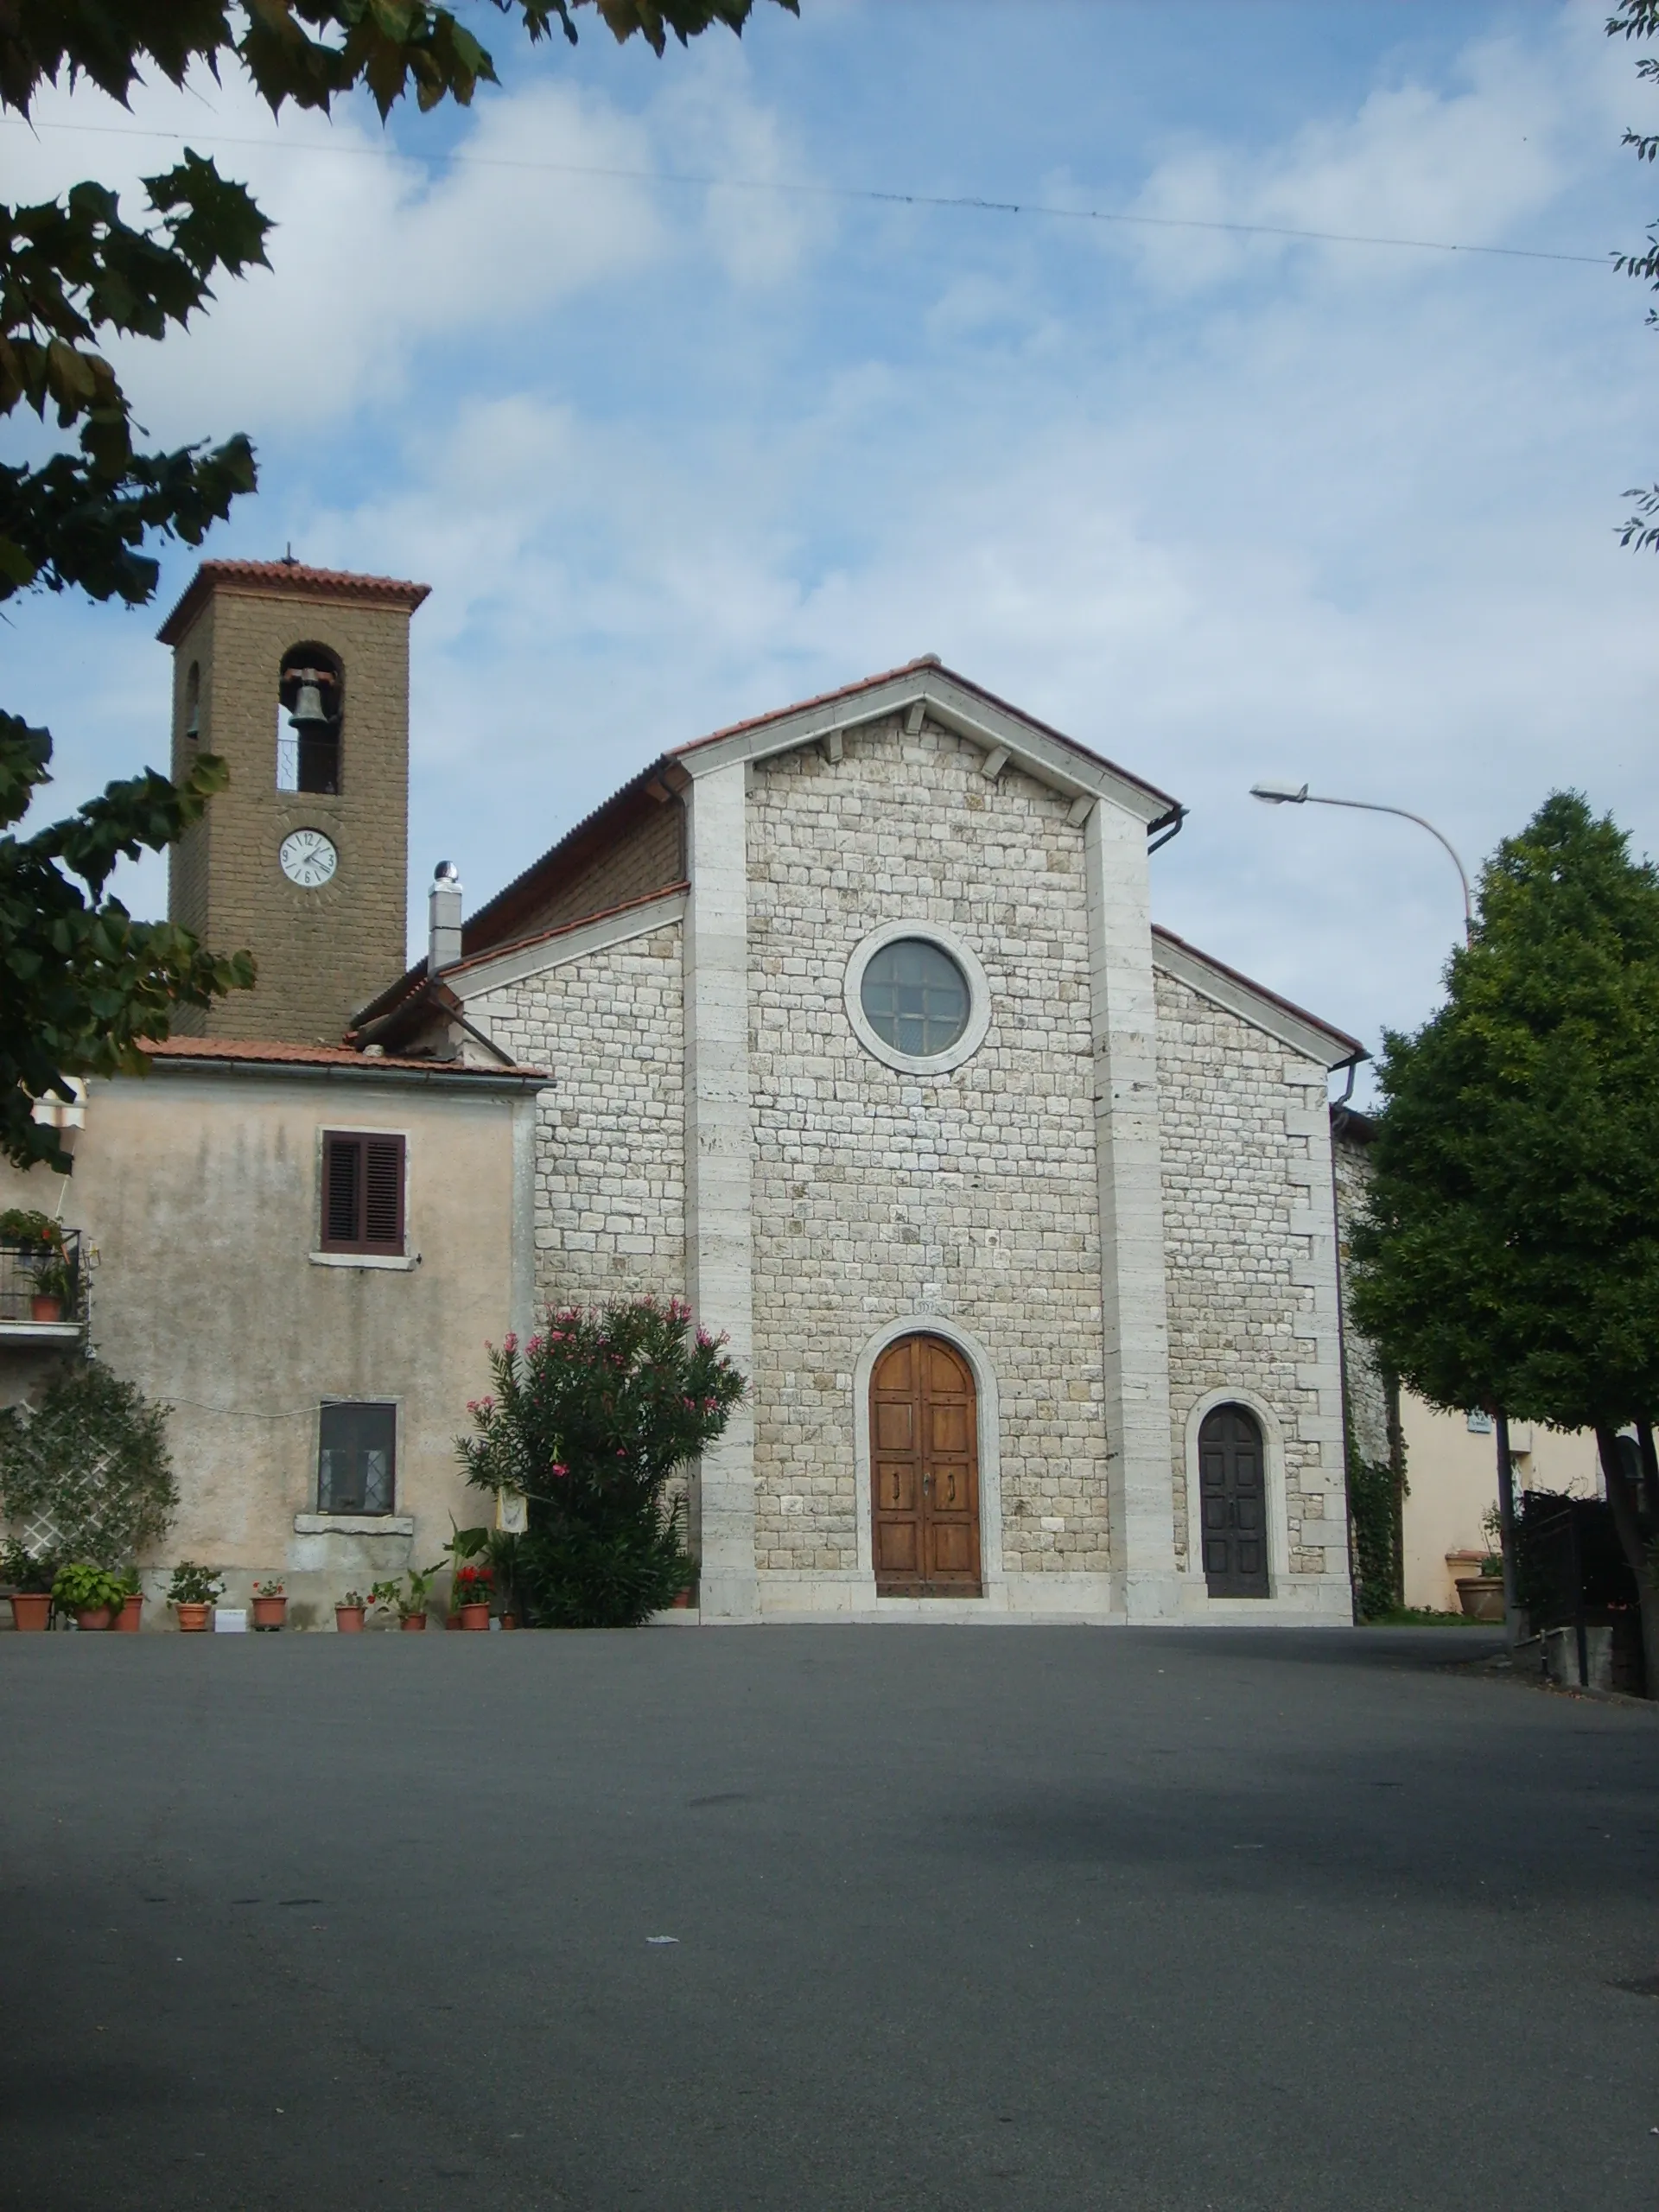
(1300, 795)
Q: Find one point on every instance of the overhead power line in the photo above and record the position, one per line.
(972, 203)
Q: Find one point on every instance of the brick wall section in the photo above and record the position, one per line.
(876, 1192)
(650, 858)
(1368, 1401)
(322, 954)
(610, 1147)
(1236, 1105)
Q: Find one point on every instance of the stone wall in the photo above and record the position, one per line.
(610, 1152)
(1247, 1193)
(877, 1193)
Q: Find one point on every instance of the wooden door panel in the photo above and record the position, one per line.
(1233, 1503)
(897, 1486)
(924, 1477)
(895, 1425)
(896, 1548)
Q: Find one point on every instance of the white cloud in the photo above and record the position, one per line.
(1415, 161)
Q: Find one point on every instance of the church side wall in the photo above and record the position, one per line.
(1251, 1249)
(610, 1144)
(879, 1194)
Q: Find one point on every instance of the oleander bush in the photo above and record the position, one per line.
(594, 1422)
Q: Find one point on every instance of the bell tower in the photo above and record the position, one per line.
(299, 678)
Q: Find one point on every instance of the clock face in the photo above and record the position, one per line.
(308, 858)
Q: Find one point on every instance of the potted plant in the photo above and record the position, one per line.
(193, 1592)
(470, 1593)
(348, 1613)
(406, 1597)
(92, 1593)
(54, 1288)
(129, 1616)
(30, 1580)
(270, 1605)
(1481, 1596)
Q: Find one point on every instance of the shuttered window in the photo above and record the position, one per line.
(362, 1192)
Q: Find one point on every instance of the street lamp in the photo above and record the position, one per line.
(1300, 795)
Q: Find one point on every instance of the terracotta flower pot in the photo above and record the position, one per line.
(476, 1616)
(349, 1619)
(31, 1609)
(412, 1624)
(130, 1617)
(451, 1620)
(194, 1619)
(509, 1620)
(1481, 1596)
(42, 1308)
(270, 1612)
(681, 1601)
(94, 1617)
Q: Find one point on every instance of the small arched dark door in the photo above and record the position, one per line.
(1233, 1503)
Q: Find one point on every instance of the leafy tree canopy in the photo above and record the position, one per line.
(1639, 19)
(81, 982)
(1510, 1256)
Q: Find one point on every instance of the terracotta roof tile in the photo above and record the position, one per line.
(287, 575)
(314, 1056)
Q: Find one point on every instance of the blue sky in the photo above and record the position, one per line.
(1223, 505)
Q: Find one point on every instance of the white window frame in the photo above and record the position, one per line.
(979, 998)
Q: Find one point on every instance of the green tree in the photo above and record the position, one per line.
(81, 983)
(591, 1422)
(1509, 1255)
(1639, 19)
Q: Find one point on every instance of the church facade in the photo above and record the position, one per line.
(1016, 1210)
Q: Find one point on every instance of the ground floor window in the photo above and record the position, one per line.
(357, 1459)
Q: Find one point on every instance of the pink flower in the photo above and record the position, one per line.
(533, 1346)
(558, 1468)
(509, 1342)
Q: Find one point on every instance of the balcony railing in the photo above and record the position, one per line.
(42, 1288)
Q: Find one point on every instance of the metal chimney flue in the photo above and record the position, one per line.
(443, 909)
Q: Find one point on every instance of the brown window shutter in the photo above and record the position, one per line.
(383, 1207)
(342, 1193)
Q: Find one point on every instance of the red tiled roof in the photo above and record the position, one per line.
(288, 576)
(314, 1056)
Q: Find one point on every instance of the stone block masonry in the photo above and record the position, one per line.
(610, 1152)
(1250, 1263)
(879, 1193)
(322, 954)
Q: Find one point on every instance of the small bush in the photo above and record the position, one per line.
(592, 1421)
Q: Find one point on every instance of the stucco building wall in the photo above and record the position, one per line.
(200, 1193)
(1251, 1262)
(877, 1193)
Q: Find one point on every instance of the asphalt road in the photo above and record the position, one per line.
(964, 1917)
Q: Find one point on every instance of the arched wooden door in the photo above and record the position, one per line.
(924, 1471)
(1233, 1503)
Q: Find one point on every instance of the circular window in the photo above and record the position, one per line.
(917, 998)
